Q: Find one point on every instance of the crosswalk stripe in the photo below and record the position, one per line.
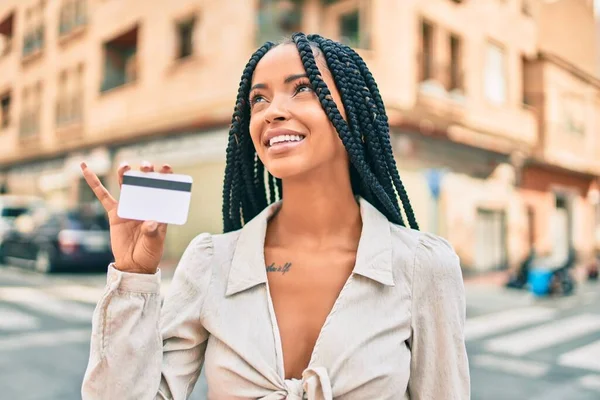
(591, 382)
(587, 357)
(13, 320)
(489, 324)
(41, 302)
(84, 294)
(44, 339)
(545, 335)
(531, 369)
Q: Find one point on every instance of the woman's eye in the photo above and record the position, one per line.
(256, 99)
(303, 88)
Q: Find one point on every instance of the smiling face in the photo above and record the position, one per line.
(291, 133)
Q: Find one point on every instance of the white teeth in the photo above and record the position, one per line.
(285, 138)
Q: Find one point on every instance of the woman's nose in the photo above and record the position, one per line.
(277, 111)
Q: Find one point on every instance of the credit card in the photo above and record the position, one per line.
(152, 196)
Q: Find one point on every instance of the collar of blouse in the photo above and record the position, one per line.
(373, 258)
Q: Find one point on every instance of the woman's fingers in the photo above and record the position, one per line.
(150, 228)
(166, 169)
(124, 167)
(107, 201)
(146, 166)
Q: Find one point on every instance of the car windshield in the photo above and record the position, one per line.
(86, 221)
(13, 212)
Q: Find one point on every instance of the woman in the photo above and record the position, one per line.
(324, 294)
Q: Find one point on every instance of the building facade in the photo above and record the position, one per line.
(110, 81)
(560, 178)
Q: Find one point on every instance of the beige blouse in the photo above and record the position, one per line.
(395, 331)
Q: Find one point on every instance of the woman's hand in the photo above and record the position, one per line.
(137, 246)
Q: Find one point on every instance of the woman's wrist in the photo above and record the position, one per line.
(133, 270)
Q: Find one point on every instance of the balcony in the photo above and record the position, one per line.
(120, 61)
(566, 102)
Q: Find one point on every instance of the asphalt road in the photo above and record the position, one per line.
(519, 347)
(532, 349)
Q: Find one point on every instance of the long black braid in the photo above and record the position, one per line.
(365, 134)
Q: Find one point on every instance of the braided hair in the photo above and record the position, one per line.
(365, 135)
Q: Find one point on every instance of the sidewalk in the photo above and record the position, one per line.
(499, 278)
(494, 278)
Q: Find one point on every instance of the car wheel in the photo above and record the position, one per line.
(43, 261)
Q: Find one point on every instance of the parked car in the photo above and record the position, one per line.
(59, 240)
(11, 207)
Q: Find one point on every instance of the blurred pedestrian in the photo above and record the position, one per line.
(319, 288)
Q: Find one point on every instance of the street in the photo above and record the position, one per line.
(45, 326)
(519, 347)
(525, 348)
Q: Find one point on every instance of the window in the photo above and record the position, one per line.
(73, 14)
(5, 110)
(69, 107)
(348, 22)
(31, 110)
(185, 38)
(33, 40)
(455, 63)
(527, 97)
(278, 19)
(80, 12)
(61, 104)
(573, 107)
(495, 74)
(526, 8)
(426, 57)
(120, 60)
(24, 123)
(77, 94)
(350, 29)
(7, 29)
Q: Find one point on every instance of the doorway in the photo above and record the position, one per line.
(490, 231)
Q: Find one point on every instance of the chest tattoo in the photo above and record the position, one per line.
(281, 268)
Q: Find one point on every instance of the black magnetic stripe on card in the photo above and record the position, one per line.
(157, 183)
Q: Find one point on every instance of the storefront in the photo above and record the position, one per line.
(30, 178)
(563, 213)
(466, 195)
(58, 180)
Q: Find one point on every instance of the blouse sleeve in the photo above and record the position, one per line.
(439, 364)
(140, 350)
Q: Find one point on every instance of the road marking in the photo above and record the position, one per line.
(486, 325)
(39, 301)
(84, 294)
(567, 303)
(545, 336)
(586, 357)
(13, 320)
(531, 369)
(44, 339)
(591, 382)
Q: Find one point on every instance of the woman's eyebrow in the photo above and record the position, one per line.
(288, 79)
(294, 77)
